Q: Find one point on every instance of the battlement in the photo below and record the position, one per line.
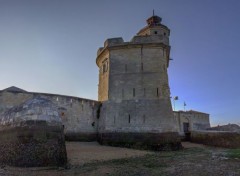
(136, 40)
(113, 41)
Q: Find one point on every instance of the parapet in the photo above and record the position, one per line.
(113, 41)
(148, 39)
(136, 40)
(100, 50)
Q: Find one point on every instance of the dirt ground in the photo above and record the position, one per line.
(92, 159)
(80, 153)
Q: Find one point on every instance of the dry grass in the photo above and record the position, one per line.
(193, 160)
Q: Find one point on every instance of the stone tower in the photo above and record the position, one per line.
(134, 89)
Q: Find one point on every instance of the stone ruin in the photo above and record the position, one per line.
(31, 135)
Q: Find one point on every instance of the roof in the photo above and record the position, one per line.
(14, 89)
(192, 111)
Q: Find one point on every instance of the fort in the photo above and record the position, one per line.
(133, 108)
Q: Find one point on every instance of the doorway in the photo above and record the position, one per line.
(185, 127)
(186, 131)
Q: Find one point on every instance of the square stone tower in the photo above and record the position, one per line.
(134, 90)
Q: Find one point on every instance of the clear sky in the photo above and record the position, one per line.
(50, 46)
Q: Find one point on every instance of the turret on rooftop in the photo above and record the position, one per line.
(154, 21)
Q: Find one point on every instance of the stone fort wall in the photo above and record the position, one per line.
(79, 115)
(137, 94)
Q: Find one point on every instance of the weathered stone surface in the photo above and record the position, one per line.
(32, 111)
(228, 127)
(78, 115)
(217, 138)
(147, 141)
(33, 146)
(134, 90)
(84, 137)
(31, 134)
(196, 120)
(143, 116)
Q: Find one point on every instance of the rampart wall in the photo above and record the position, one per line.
(79, 116)
(217, 138)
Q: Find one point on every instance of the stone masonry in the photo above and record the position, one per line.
(31, 134)
(134, 88)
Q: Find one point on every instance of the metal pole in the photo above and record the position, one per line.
(174, 104)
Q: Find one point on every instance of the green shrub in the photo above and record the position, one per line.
(234, 153)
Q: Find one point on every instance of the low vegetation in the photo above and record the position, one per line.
(234, 153)
(198, 161)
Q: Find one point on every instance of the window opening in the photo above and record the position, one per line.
(164, 68)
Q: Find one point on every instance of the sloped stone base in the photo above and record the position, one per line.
(147, 141)
(33, 146)
(216, 138)
(83, 137)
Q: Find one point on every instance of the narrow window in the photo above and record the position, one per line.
(125, 67)
(122, 93)
(133, 92)
(129, 118)
(105, 66)
(57, 99)
(164, 68)
(155, 32)
(164, 33)
(157, 92)
(144, 92)
(142, 66)
(71, 101)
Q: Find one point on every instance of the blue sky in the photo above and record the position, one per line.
(50, 46)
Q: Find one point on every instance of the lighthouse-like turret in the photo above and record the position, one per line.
(134, 89)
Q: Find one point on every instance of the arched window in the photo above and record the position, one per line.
(105, 66)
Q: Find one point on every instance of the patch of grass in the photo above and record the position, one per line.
(234, 153)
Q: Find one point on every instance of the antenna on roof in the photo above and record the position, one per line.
(153, 12)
